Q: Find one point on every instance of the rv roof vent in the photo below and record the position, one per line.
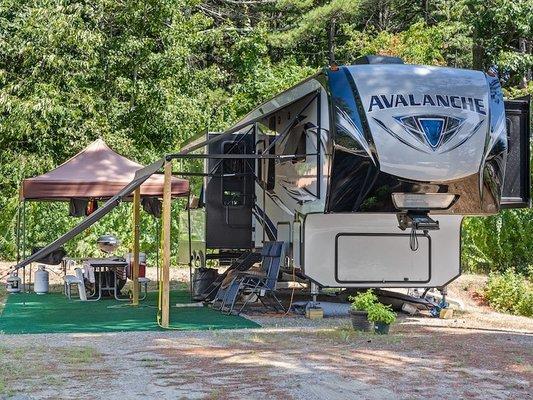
(372, 59)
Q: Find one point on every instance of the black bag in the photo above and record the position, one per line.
(202, 279)
(53, 258)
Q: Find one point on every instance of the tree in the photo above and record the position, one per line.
(501, 32)
(147, 76)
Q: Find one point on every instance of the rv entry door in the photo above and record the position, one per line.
(229, 194)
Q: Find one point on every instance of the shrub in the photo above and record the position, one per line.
(510, 292)
(381, 313)
(498, 242)
(363, 301)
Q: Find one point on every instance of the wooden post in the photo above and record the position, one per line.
(136, 234)
(165, 301)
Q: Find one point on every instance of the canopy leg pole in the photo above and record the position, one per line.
(19, 212)
(24, 244)
(158, 241)
(136, 240)
(165, 298)
(190, 243)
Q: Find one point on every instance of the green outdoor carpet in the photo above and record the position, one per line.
(54, 313)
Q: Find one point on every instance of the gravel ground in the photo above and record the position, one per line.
(307, 361)
(479, 354)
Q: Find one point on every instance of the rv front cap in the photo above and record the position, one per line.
(383, 101)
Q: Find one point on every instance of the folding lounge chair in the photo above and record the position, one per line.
(223, 290)
(262, 286)
(228, 291)
(243, 263)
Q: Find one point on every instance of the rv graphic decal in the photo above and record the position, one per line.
(433, 133)
(411, 100)
(433, 130)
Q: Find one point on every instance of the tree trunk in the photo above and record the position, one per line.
(522, 48)
(331, 42)
(478, 53)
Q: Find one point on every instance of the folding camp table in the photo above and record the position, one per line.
(101, 266)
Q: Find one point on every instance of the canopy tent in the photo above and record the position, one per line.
(96, 172)
(141, 176)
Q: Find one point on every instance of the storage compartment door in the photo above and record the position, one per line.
(517, 182)
(376, 258)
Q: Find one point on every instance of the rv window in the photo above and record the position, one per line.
(266, 166)
(232, 198)
(295, 143)
(234, 166)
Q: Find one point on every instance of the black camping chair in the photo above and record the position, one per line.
(230, 291)
(243, 263)
(263, 286)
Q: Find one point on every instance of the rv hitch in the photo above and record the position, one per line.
(417, 221)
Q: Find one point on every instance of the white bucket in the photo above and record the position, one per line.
(129, 258)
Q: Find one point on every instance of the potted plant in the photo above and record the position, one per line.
(359, 309)
(382, 316)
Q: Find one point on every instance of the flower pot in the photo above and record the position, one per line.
(381, 328)
(360, 321)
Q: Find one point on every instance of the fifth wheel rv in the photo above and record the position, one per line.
(366, 172)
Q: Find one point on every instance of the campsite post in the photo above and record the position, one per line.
(136, 233)
(165, 303)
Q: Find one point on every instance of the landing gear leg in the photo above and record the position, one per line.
(314, 293)
(441, 310)
(444, 292)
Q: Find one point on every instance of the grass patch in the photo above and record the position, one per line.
(32, 368)
(346, 334)
(78, 355)
(23, 363)
(3, 389)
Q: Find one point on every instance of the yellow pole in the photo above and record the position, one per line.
(136, 234)
(165, 301)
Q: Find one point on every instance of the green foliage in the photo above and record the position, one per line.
(147, 76)
(497, 25)
(381, 313)
(515, 92)
(510, 292)
(499, 242)
(420, 44)
(363, 301)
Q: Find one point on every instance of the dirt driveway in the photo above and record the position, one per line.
(478, 355)
(324, 361)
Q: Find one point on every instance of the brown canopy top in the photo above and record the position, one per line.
(95, 172)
